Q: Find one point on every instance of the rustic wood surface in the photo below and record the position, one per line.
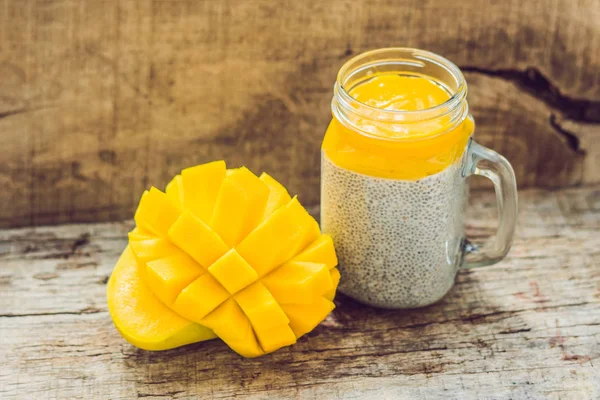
(100, 99)
(526, 328)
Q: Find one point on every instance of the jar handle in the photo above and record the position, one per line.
(485, 162)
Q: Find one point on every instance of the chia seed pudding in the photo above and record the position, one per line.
(398, 241)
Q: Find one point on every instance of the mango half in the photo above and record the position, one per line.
(222, 253)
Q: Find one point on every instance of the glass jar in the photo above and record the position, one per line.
(394, 183)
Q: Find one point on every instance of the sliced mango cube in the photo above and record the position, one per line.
(200, 298)
(174, 190)
(233, 272)
(260, 307)
(318, 276)
(228, 316)
(304, 318)
(308, 232)
(140, 234)
(275, 337)
(335, 278)
(277, 239)
(320, 251)
(194, 237)
(246, 347)
(278, 195)
(298, 282)
(233, 327)
(268, 320)
(240, 206)
(151, 249)
(201, 186)
(168, 276)
(156, 212)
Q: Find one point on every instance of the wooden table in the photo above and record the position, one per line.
(528, 327)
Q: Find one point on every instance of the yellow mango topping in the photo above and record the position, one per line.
(411, 151)
(225, 253)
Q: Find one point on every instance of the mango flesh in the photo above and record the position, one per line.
(151, 249)
(239, 206)
(287, 231)
(233, 272)
(201, 186)
(141, 317)
(304, 318)
(231, 324)
(278, 195)
(320, 251)
(168, 276)
(335, 277)
(174, 190)
(156, 212)
(200, 297)
(298, 282)
(226, 253)
(196, 238)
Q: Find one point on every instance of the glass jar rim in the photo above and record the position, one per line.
(375, 57)
(371, 121)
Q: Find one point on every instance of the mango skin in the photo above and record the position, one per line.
(140, 317)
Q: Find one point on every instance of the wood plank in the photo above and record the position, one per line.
(528, 327)
(99, 100)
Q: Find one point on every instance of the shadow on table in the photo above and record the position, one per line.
(355, 340)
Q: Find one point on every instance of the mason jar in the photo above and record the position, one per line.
(394, 181)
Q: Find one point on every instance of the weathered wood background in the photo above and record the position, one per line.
(526, 328)
(100, 99)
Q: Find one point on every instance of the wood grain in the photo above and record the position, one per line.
(528, 327)
(99, 100)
